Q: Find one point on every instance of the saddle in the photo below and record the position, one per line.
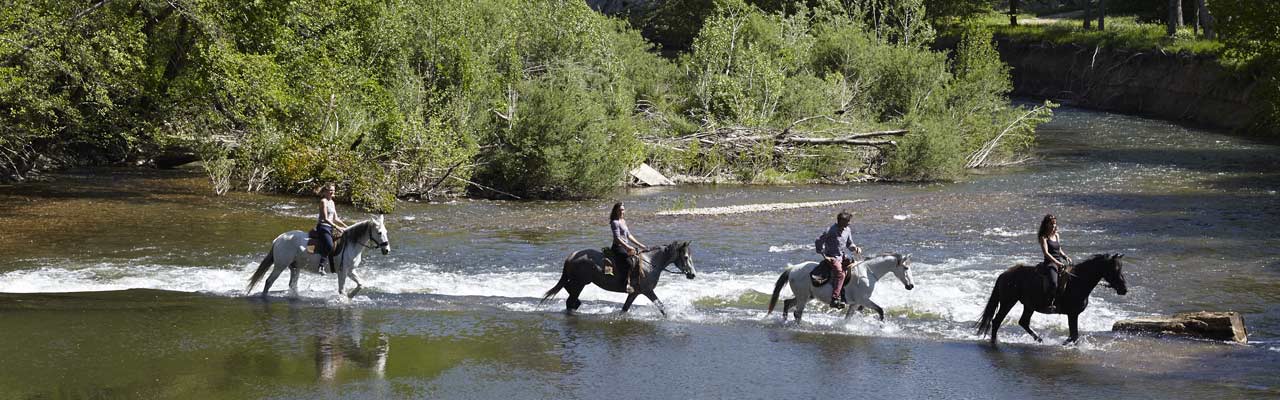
(314, 237)
(612, 259)
(1063, 274)
(822, 274)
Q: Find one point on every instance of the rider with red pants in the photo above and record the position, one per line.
(835, 245)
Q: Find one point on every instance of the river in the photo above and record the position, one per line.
(453, 311)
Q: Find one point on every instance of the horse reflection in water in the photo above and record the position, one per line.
(340, 344)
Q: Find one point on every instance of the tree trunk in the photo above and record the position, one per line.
(1204, 324)
(1013, 12)
(1088, 14)
(1206, 19)
(1175, 17)
(1102, 15)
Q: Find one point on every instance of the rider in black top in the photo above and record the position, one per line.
(1054, 258)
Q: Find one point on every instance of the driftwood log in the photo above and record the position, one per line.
(1204, 324)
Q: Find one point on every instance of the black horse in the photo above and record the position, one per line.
(1022, 283)
(587, 266)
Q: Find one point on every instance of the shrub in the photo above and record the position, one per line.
(562, 142)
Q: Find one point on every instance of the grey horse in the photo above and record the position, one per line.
(587, 266)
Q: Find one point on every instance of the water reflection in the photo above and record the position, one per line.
(340, 344)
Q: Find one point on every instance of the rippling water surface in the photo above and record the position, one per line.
(453, 311)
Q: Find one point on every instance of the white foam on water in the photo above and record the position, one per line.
(948, 298)
(1002, 232)
(790, 247)
(902, 217)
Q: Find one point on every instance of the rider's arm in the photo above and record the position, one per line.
(1064, 253)
(637, 242)
(817, 244)
(337, 223)
(849, 243)
(618, 236)
(1044, 248)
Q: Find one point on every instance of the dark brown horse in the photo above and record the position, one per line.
(587, 267)
(1022, 283)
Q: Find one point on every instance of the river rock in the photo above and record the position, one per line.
(649, 176)
(1203, 324)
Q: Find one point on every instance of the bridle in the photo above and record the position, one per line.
(375, 241)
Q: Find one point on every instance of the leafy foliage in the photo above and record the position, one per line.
(537, 98)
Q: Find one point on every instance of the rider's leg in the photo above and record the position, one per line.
(633, 274)
(1052, 272)
(325, 249)
(837, 283)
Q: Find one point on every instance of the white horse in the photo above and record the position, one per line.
(857, 292)
(289, 250)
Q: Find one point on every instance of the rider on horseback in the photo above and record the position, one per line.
(834, 245)
(1053, 264)
(326, 222)
(625, 246)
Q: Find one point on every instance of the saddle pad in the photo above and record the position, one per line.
(822, 274)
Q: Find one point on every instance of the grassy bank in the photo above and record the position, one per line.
(1123, 32)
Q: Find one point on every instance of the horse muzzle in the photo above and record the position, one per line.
(689, 275)
(1122, 291)
(910, 286)
(386, 250)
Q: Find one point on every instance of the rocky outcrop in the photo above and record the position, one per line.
(1204, 324)
(1177, 87)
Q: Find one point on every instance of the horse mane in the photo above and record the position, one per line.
(356, 230)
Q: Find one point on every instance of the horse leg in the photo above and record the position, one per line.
(354, 278)
(1075, 329)
(1025, 322)
(293, 280)
(1005, 306)
(342, 279)
(271, 279)
(786, 306)
(875, 307)
(572, 303)
(626, 305)
(800, 307)
(654, 298)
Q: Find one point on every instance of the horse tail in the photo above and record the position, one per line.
(988, 313)
(564, 279)
(777, 288)
(262, 270)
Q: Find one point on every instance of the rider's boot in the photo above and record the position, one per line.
(324, 265)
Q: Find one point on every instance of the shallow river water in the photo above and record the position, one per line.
(129, 284)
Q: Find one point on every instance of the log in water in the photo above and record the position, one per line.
(1204, 324)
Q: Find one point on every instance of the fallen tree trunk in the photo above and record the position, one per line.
(1204, 324)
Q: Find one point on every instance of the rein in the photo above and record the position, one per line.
(650, 264)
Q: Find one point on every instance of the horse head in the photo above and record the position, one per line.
(379, 234)
(682, 258)
(903, 270)
(1114, 274)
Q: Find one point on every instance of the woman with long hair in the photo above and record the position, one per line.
(625, 246)
(1055, 259)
